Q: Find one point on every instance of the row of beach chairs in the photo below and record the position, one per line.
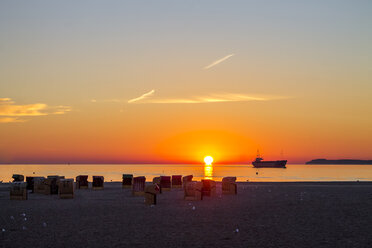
(41, 185)
(193, 190)
(50, 186)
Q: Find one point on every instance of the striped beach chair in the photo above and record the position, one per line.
(176, 181)
(138, 187)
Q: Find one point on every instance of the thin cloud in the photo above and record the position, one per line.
(218, 61)
(10, 120)
(60, 110)
(211, 98)
(11, 110)
(144, 96)
(5, 100)
(107, 101)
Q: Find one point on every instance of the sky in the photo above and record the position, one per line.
(173, 81)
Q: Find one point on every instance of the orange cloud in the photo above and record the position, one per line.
(10, 120)
(9, 109)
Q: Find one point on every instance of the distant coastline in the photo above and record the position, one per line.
(339, 161)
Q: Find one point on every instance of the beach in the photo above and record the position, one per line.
(262, 214)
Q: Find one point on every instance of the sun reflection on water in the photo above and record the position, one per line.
(208, 171)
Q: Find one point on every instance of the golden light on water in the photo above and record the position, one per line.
(208, 160)
(208, 168)
(208, 172)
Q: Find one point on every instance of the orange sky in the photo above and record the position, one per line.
(128, 82)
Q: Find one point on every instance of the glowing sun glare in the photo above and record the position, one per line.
(208, 160)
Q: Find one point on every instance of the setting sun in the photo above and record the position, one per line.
(208, 160)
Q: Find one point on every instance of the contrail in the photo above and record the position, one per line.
(148, 94)
(225, 97)
(218, 61)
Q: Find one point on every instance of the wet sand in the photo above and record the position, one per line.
(336, 214)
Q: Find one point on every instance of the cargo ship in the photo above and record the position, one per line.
(259, 163)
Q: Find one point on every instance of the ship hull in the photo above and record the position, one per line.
(270, 164)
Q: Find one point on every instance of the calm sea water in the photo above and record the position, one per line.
(293, 172)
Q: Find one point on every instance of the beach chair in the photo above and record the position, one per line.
(127, 181)
(48, 185)
(156, 181)
(186, 179)
(97, 182)
(18, 178)
(18, 191)
(193, 191)
(39, 185)
(82, 182)
(138, 187)
(209, 187)
(53, 182)
(66, 188)
(229, 186)
(30, 183)
(176, 181)
(150, 194)
(165, 183)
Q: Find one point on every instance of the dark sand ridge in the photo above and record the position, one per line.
(333, 214)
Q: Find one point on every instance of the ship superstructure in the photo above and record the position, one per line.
(259, 163)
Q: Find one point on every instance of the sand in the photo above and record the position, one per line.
(261, 215)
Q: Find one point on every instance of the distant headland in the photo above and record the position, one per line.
(339, 161)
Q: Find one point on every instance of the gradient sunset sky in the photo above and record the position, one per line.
(173, 81)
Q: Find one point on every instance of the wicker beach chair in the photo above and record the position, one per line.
(39, 185)
(66, 188)
(18, 191)
(209, 187)
(127, 181)
(138, 187)
(176, 181)
(18, 178)
(165, 183)
(82, 182)
(53, 183)
(229, 186)
(193, 191)
(186, 179)
(150, 194)
(97, 182)
(30, 183)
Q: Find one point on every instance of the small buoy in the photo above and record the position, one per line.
(193, 208)
(3, 230)
(236, 230)
(25, 219)
(23, 214)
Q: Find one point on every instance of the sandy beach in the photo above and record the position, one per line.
(336, 214)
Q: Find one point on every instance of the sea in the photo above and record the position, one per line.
(244, 173)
